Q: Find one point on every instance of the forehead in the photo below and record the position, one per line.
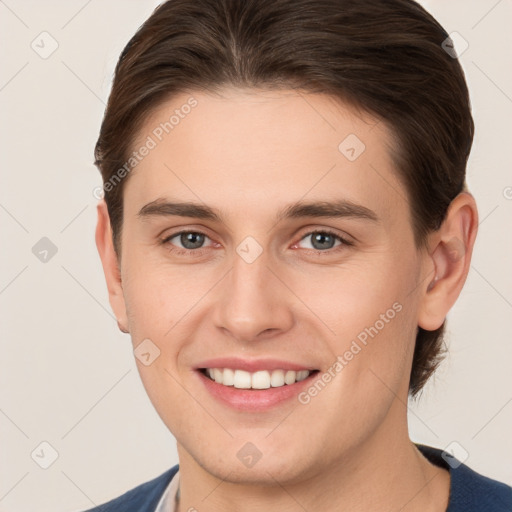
(258, 147)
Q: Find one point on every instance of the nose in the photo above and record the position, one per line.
(253, 304)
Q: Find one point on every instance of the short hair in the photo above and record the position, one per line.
(383, 57)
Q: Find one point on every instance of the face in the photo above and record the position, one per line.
(293, 258)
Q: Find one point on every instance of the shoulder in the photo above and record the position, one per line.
(143, 498)
(470, 491)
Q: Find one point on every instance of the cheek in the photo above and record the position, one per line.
(159, 297)
(367, 314)
(350, 297)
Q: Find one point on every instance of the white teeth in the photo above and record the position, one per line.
(261, 379)
(301, 375)
(289, 377)
(277, 378)
(217, 375)
(242, 379)
(228, 377)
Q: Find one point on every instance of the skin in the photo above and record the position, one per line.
(248, 154)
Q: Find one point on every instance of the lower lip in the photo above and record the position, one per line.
(254, 399)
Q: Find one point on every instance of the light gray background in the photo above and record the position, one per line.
(68, 376)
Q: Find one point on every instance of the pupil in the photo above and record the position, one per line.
(191, 240)
(324, 240)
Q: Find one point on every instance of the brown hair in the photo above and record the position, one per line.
(384, 57)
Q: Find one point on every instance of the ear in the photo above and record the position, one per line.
(448, 261)
(111, 266)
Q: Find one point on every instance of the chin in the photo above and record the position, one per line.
(285, 469)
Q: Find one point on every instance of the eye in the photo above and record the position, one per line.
(323, 240)
(186, 240)
(192, 242)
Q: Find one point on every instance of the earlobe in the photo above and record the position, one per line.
(450, 257)
(122, 328)
(110, 264)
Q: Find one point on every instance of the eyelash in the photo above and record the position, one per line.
(199, 252)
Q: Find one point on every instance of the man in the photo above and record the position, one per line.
(285, 228)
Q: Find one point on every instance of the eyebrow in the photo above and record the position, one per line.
(327, 209)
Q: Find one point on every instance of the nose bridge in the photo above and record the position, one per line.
(250, 279)
(252, 301)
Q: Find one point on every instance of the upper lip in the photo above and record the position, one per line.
(252, 365)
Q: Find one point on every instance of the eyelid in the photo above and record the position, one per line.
(171, 232)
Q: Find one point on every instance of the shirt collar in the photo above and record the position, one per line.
(167, 501)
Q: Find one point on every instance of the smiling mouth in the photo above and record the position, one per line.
(259, 380)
